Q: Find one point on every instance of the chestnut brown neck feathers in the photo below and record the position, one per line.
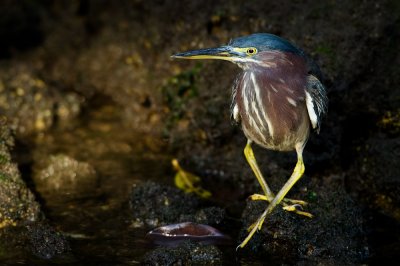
(269, 100)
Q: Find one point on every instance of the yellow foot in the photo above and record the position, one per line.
(253, 228)
(290, 205)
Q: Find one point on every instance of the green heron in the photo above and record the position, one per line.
(277, 98)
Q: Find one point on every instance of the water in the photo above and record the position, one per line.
(96, 218)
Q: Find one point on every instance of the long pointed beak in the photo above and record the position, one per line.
(221, 53)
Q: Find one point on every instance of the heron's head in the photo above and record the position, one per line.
(245, 50)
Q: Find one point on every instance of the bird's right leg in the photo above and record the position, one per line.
(251, 159)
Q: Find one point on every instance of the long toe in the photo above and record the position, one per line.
(260, 197)
(294, 201)
(298, 209)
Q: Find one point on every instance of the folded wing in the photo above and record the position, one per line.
(316, 100)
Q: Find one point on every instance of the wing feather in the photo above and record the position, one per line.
(316, 100)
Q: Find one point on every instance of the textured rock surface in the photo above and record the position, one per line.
(154, 205)
(45, 242)
(335, 235)
(17, 203)
(185, 254)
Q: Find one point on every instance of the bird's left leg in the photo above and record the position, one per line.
(291, 205)
(251, 159)
(296, 175)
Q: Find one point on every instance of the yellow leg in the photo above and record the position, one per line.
(296, 175)
(288, 204)
(251, 159)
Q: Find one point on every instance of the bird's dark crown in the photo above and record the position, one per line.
(265, 41)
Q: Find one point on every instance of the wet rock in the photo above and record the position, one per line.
(13, 243)
(17, 203)
(155, 205)
(210, 215)
(61, 173)
(207, 215)
(46, 242)
(334, 236)
(188, 253)
(21, 228)
(40, 239)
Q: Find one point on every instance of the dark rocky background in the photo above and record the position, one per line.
(92, 107)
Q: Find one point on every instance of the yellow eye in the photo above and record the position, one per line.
(251, 51)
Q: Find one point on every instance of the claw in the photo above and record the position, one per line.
(307, 214)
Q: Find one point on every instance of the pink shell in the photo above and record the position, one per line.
(174, 234)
